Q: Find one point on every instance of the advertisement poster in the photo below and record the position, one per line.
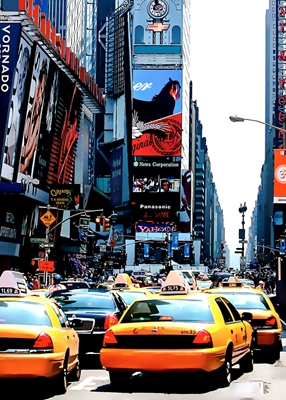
(65, 131)
(17, 110)
(43, 152)
(66, 197)
(9, 43)
(279, 191)
(34, 111)
(156, 174)
(157, 113)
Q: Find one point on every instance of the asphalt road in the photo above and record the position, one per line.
(267, 381)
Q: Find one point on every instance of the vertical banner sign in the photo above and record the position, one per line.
(175, 241)
(9, 41)
(282, 246)
(187, 250)
(279, 196)
(116, 178)
(146, 250)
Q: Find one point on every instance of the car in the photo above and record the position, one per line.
(76, 284)
(248, 282)
(265, 322)
(98, 310)
(36, 338)
(178, 331)
(204, 285)
(191, 278)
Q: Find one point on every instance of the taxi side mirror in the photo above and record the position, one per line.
(246, 316)
(76, 323)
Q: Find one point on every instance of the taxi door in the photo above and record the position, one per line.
(69, 333)
(235, 328)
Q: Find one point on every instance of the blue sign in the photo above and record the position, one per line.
(187, 250)
(170, 253)
(43, 5)
(175, 241)
(146, 250)
(9, 42)
(282, 246)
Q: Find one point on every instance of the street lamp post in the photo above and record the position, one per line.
(281, 281)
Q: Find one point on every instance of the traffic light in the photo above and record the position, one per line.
(222, 245)
(97, 224)
(106, 224)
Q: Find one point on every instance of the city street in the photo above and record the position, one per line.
(265, 382)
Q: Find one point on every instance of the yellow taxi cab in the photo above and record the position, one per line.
(36, 339)
(178, 330)
(265, 321)
(39, 292)
(128, 291)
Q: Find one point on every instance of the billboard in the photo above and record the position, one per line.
(116, 177)
(279, 191)
(43, 5)
(65, 197)
(157, 113)
(17, 109)
(9, 42)
(156, 174)
(36, 99)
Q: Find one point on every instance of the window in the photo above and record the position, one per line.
(61, 316)
(176, 35)
(224, 310)
(23, 313)
(233, 310)
(139, 35)
(169, 310)
(247, 301)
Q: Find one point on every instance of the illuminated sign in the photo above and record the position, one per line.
(157, 113)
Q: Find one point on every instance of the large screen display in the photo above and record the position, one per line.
(157, 113)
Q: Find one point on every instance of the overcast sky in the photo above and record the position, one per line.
(228, 74)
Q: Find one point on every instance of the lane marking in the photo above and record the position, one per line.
(89, 383)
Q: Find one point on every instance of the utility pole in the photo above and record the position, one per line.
(48, 219)
(241, 234)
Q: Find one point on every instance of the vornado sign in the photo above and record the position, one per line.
(9, 42)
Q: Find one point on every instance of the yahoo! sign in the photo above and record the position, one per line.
(146, 227)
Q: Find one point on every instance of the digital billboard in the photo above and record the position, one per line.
(9, 42)
(156, 174)
(157, 113)
(36, 99)
(17, 109)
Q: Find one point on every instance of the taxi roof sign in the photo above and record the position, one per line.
(122, 280)
(232, 282)
(175, 283)
(13, 284)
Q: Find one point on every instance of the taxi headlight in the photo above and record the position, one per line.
(271, 321)
(203, 337)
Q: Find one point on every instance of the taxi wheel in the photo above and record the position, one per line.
(119, 380)
(75, 374)
(246, 363)
(224, 373)
(62, 380)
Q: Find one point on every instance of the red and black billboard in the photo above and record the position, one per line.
(157, 113)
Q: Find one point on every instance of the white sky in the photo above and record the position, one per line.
(228, 74)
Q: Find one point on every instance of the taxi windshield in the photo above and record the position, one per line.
(187, 276)
(70, 302)
(129, 297)
(172, 310)
(23, 313)
(247, 300)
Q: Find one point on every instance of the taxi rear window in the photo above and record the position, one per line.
(23, 313)
(247, 300)
(171, 310)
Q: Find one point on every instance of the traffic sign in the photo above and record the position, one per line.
(243, 241)
(238, 252)
(37, 240)
(46, 266)
(46, 245)
(112, 243)
(102, 248)
(48, 219)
